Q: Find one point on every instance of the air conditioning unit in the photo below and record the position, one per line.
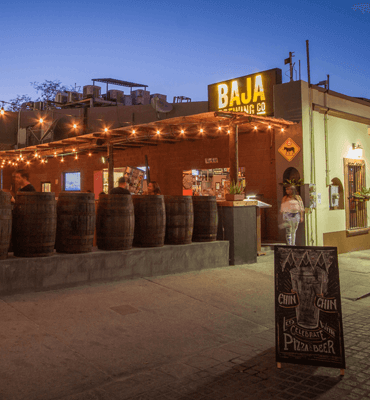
(39, 105)
(61, 97)
(127, 100)
(160, 96)
(140, 96)
(74, 96)
(116, 95)
(91, 91)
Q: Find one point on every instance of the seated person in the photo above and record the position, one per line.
(153, 189)
(122, 186)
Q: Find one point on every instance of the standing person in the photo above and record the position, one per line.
(22, 177)
(122, 186)
(292, 209)
(153, 188)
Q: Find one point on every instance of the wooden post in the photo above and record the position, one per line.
(233, 155)
(110, 167)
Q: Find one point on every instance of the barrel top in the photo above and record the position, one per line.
(76, 194)
(35, 194)
(204, 198)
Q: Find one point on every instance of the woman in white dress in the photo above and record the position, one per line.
(292, 209)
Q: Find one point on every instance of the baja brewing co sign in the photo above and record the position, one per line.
(308, 310)
(252, 94)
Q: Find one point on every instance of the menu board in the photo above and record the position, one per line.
(308, 309)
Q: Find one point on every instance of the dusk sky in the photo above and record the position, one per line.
(179, 47)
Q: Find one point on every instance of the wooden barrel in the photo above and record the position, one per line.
(115, 222)
(150, 221)
(34, 224)
(75, 222)
(205, 218)
(5, 223)
(179, 219)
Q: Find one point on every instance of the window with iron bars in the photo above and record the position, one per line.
(356, 209)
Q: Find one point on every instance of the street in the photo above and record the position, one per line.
(200, 335)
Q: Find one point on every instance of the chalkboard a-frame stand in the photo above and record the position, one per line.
(308, 312)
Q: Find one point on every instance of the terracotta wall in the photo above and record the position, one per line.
(167, 162)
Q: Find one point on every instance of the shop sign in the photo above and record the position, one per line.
(252, 94)
(211, 160)
(289, 149)
(308, 309)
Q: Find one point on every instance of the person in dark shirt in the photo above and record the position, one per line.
(122, 187)
(22, 177)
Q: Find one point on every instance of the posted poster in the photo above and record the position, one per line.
(308, 310)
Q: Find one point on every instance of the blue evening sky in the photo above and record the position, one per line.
(179, 47)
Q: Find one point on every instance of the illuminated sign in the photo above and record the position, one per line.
(252, 94)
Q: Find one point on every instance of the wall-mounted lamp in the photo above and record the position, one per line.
(357, 150)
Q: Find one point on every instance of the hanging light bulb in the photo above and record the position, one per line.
(55, 153)
(255, 127)
(74, 150)
(269, 126)
(74, 126)
(105, 129)
(133, 131)
(201, 130)
(42, 161)
(89, 153)
(282, 129)
(28, 163)
(182, 131)
(62, 159)
(158, 132)
(219, 128)
(76, 157)
(2, 111)
(41, 120)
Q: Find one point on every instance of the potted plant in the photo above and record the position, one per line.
(235, 192)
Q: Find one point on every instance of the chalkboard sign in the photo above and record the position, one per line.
(308, 306)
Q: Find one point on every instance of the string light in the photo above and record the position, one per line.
(28, 163)
(62, 159)
(55, 153)
(255, 127)
(74, 126)
(42, 161)
(269, 126)
(158, 132)
(74, 150)
(201, 130)
(282, 129)
(182, 131)
(41, 120)
(105, 129)
(133, 131)
(89, 153)
(219, 128)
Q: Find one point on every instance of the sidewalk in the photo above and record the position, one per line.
(198, 335)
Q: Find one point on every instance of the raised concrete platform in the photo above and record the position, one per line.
(63, 270)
